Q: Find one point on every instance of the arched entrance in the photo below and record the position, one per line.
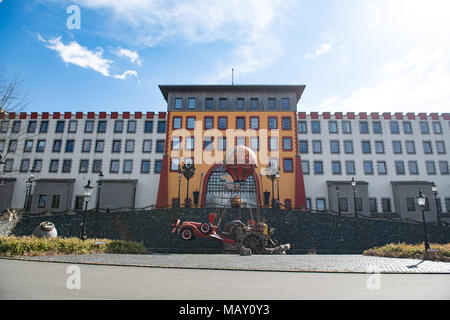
(218, 189)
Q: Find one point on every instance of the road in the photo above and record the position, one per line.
(42, 280)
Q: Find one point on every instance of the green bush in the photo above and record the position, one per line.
(411, 251)
(32, 246)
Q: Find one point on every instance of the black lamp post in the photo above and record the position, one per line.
(277, 177)
(421, 201)
(435, 193)
(353, 183)
(29, 184)
(87, 196)
(338, 200)
(188, 172)
(99, 187)
(273, 172)
(180, 175)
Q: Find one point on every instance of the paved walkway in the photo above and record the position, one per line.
(275, 263)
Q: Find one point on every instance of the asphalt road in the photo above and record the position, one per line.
(38, 280)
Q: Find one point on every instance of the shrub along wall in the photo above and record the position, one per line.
(306, 232)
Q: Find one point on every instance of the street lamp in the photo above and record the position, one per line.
(87, 196)
(277, 177)
(353, 183)
(180, 176)
(338, 200)
(188, 170)
(435, 193)
(421, 201)
(99, 184)
(272, 173)
(29, 184)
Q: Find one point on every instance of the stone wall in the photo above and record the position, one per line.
(306, 232)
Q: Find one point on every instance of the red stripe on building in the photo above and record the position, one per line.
(34, 115)
(434, 116)
(375, 115)
(423, 116)
(138, 115)
(399, 115)
(56, 115)
(363, 115)
(326, 115)
(339, 115)
(314, 115)
(45, 115)
(446, 116)
(68, 115)
(91, 115)
(114, 115)
(150, 115)
(161, 115)
(411, 116)
(302, 115)
(11, 115)
(350, 115)
(102, 115)
(300, 193)
(162, 200)
(126, 115)
(79, 115)
(387, 116)
(23, 115)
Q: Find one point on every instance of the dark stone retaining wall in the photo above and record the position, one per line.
(306, 232)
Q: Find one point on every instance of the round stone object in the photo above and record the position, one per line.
(45, 230)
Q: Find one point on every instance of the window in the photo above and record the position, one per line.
(190, 143)
(308, 204)
(131, 126)
(366, 147)
(54, 164)
(129, 146)
(286, 123)
(410, 147)
(386, 205)
(222, 143)
(287, 143)
(413, 169)
(223, 103)
(288, 165)
(440, 147)
(427, 148)
(148, 126)
(343, 204)
(160, 146)
(363, 127)
(254, 103)
(89, 126)
(240, 141)
(209, 103)
(79, 202)
(376, 127)
(99, 145)
(381, 167)
(318, 167)
(254, 123)
(178, 103)
(407, 129)
(147, 146)
(273, 143)
(28, 147)
(431, 167)
(174, 164)
(240, 123)
(67, 166)
(397, 147)
(368, 167)
(8, 166)
(31, 127)
(177, 123)
(60, 127)
(42, 203)
(399, 167)
(2, 146)
(358, 205)
(176, 143)
(70, 145)
(334, 146)
(222, 123)
(373, 205)
(158, 166)
(333, 126)
(395, 129)
(12, 147)
(305, 166)
(118, 126)
(84, 165)
(336, 167)
(240, 103)
(348, 146)
(4, 126)
(315, 126)
(97, 166)
(86, 146)
(317, 146)
(192, 103)
(447, 204)
(116, 146)
(37, 165)
(303, 146)
(285, 103)
(272, 103)
(424, 128)
(346, 127)
(145, 166)
(302, 128)
(114, 167)
(350, 167)
(73, 126)
(209, 123)
(57, 145)
(44, 127)
(55, 201)
(207, 144)
(40, 146)
(379, 146)
(320, 204)
(437, 129)
(161, 127)
(15, 127)
(254, 143)
(101, 126)
(127, 166)
(273, 123)
(443, 167)
(25, 165)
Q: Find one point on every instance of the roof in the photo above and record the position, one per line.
(298, 89)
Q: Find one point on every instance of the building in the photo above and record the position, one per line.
(391, 156)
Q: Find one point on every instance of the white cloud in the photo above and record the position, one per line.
(76, 54)
(416, 82)
(132, 55)
(324, 48)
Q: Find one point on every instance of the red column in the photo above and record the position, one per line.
(300, 193)
(162, 200)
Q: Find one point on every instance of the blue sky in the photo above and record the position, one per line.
(352, 55)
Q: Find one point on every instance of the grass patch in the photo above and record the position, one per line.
(411, 251)
(32, 246)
